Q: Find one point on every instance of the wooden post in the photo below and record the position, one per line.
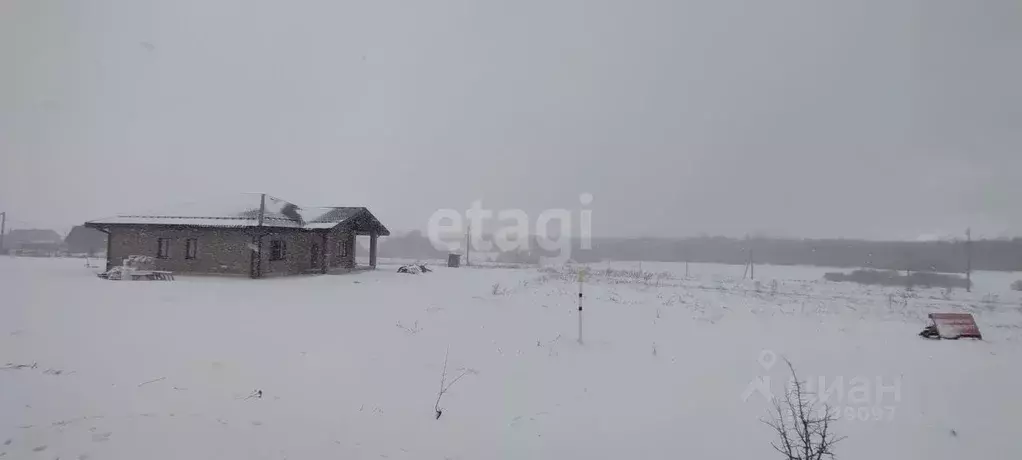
(468, 245)
(372, 249)
(3, 225)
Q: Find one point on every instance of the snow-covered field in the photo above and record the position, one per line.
(349, 366)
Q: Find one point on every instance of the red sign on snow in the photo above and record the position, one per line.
(955, 325)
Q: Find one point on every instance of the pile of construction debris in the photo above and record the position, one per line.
(413, 269)
(951, 326)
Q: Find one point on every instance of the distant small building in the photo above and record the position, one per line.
(247, 234)
(33, 242)
(83, 240)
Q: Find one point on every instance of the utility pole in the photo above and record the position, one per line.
(750, 268)
(468, 245)
(3, 225)
(968, 260)
(752, 265)
(908, 269)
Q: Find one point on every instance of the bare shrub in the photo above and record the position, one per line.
(496, 289)
(445, 385)
(415, 329)
(1016, 286)
(549, 270)
(609, 274)
(551, 351)
(803, 428)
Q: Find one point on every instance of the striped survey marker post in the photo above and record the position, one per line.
(581, 277)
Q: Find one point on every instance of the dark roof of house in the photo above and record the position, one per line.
(249, 210)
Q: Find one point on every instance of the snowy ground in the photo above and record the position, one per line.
(350, 365)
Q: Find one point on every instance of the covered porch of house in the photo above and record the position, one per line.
(340, 251)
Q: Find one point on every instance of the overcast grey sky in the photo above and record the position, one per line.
(868, 118)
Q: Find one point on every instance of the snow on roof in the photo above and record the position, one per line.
(240, 210)
(328, 214)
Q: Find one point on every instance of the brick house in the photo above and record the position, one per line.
(247, 234)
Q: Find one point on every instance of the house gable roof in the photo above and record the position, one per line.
(250, 210)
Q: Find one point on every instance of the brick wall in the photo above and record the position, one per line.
(337, 242)
(297, 254)
(218, 251)
(227, 251)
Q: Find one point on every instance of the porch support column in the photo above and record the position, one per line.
(372, 249)
(109, 253)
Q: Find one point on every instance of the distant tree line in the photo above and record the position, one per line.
(940, 256)
(83, 240)
(900, 278)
